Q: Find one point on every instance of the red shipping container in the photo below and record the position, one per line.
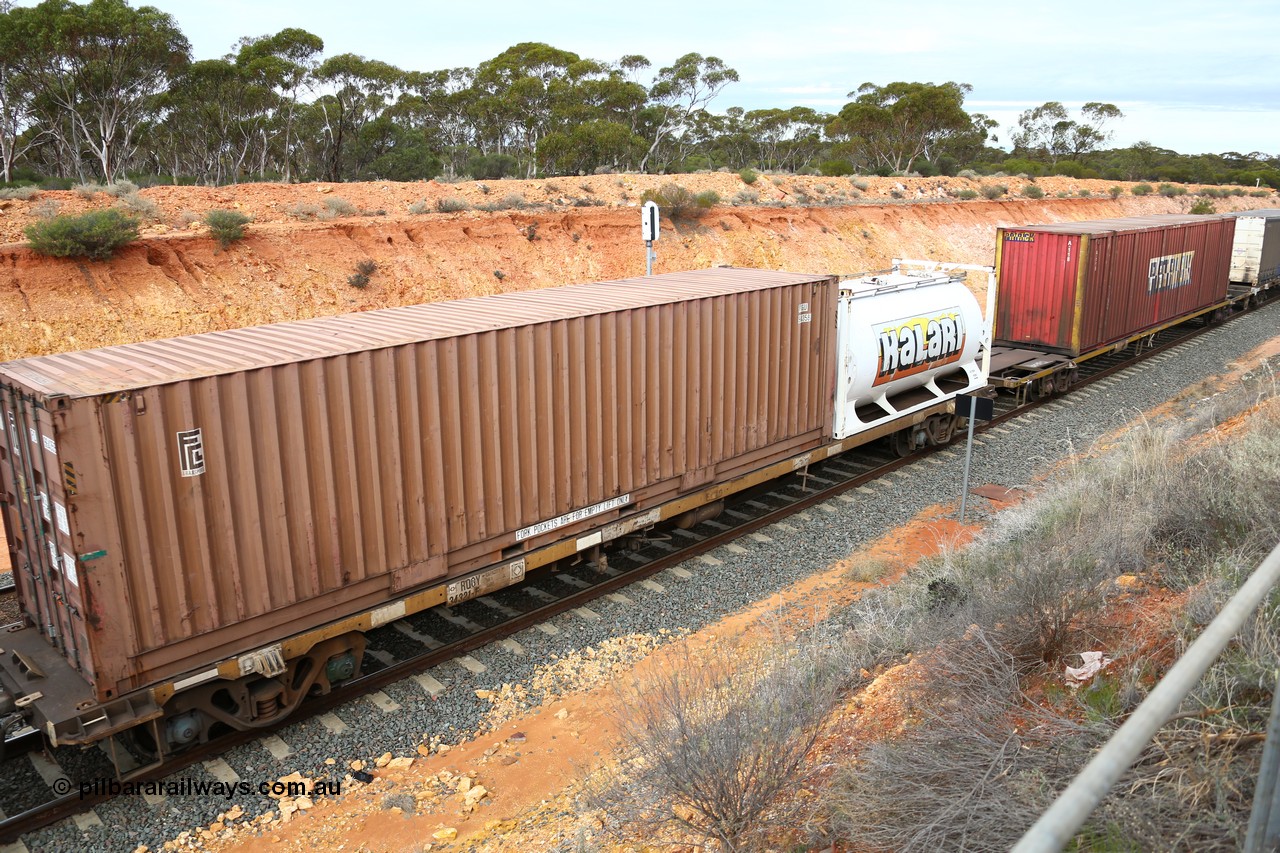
(1076, 286)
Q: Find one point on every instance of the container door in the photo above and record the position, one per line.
(35, 486)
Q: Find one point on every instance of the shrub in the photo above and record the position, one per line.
(514, 201)
(88, 190)
(21, 193)
(46, 209)
(965, 194)
(1032, 191)
(968, 174)
(1116, 192)
(491, 166)
(227, 226)
(364, 270)
(1084, 193)
(707, 199)
(859, 184)
(1203, 206)
(339, 206)
(748, 176)
(451, 205)
(1169, 190)
(716, 736)
(419, 207)
(1260, 193)
(135, 203)
(499, 275)
(745, 197)
(1063, 194)
(303, 211)
(1237, 191)
(95, 235)
(531, 232)
(120, 189)
(994, 191)
(676, 201)
(1141, 189)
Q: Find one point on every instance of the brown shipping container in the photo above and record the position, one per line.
(174, 502)
(1076, 286)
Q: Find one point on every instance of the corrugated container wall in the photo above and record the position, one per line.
(173, 502)
(1076, 286)
(1255, 254)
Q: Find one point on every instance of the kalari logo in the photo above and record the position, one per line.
(916, 344)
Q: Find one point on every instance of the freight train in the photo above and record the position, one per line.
(203, 529)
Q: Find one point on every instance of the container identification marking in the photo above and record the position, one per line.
(570, 517)
(69, 568)
(191, 452)
(805, 315)
(476, 585)
(1169, 272)
(50, 445)
(1019, 236)
(61, 512)
(915, 344)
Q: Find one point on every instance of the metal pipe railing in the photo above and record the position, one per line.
(1068, 813)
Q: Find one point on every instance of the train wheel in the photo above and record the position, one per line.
(903, 443)
(1063, 380)
(1042, 387)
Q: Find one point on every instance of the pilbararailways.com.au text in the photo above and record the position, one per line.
(186, 787)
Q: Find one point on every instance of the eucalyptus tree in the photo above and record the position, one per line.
(681, 91)
(101, 66)
(1048, 132)
(17, 96)
(287, 63)
(358, 90)
(900, 122)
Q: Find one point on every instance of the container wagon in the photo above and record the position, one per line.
(1078, 286)
(1255, 253)
(202, 529)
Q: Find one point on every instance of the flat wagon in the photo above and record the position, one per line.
(1074, 287)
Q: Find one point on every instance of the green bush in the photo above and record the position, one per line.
(1203, 206)
(1142, 189)
(1260, 193)
(994, 191)
(676, 201)
(21, 193)
(1032, 191)
(748, 176)
(135, 203)
(836, 168)
(965, 194)
(746, 197)
(94, 235)
(227, 226)
(968, 174)
(450, 205)
(707, 199)
(1084, 193)
(340, 206)
(1116, 192)
(1169, 190)
(120, 189)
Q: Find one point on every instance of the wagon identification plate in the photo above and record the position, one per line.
(915, 344)
(486, 581)
(570, 517)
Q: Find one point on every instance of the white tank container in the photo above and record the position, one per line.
(905, 342)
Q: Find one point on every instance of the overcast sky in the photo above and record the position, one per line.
(1190, 76)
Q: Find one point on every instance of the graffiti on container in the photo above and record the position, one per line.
(916, 344)
(1019, 236)
(1169, 272)
(191, 452)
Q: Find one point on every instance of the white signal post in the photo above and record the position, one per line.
(649, 232)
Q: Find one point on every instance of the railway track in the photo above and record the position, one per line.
(405, 649)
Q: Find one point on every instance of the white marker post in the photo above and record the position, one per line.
(649, 231)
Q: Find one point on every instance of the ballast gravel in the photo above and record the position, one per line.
(743, 575)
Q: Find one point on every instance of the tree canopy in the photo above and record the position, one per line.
(104, 89)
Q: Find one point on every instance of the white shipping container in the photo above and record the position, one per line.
(1255, 254)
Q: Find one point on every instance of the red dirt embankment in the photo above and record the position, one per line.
(177, 281)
